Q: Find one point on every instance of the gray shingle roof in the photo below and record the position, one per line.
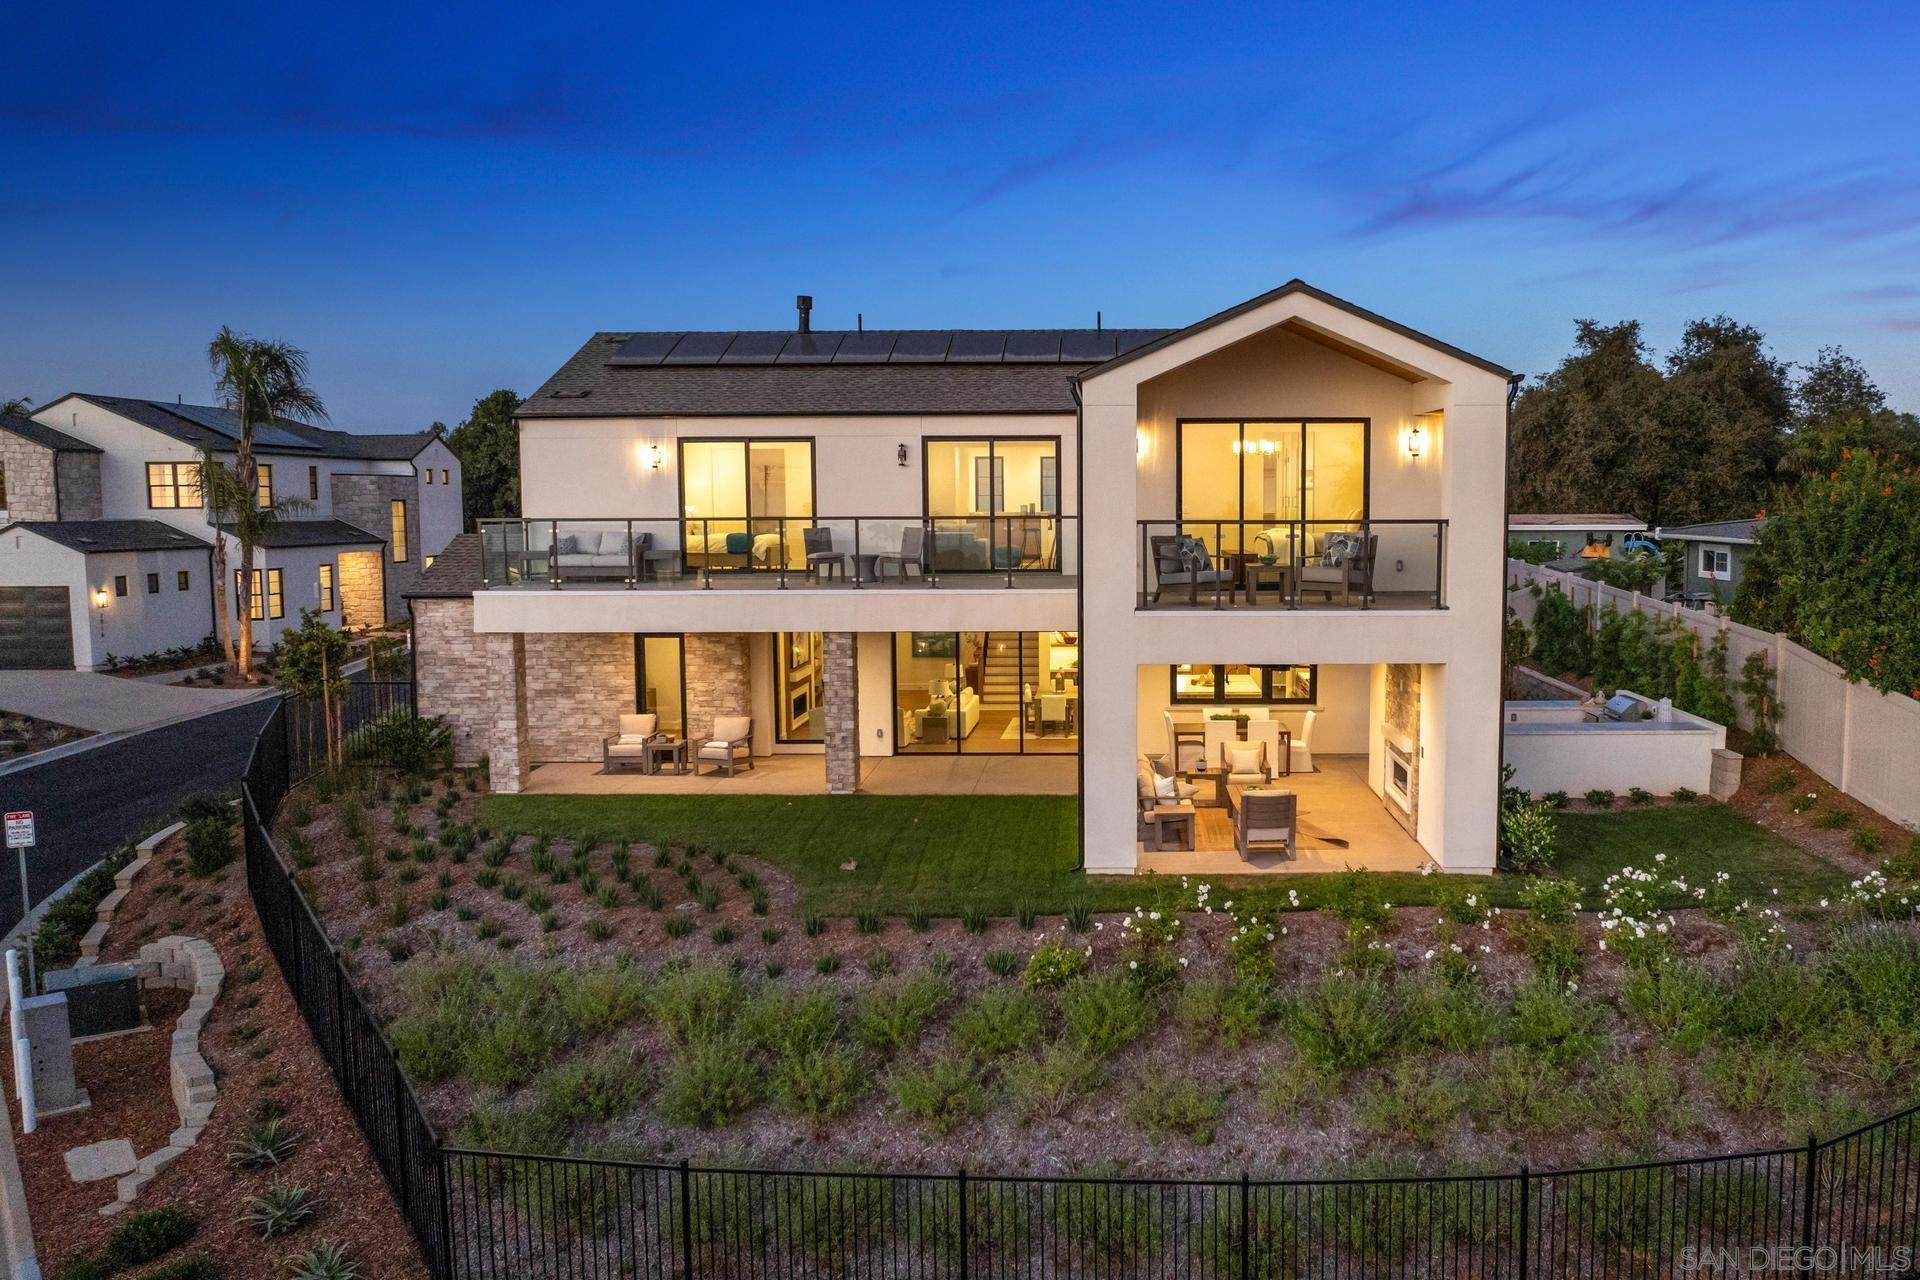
(95, 536)
(1716, 531)
(42, 435)
(212, 427)
(600, 381)
(314, 533)
(1573, 520)
(454, 574)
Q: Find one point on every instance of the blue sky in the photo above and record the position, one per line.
(435, 202)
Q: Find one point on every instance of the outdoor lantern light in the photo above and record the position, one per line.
(655, 459)
(900, 454)
(100, 597)
(1416, 440)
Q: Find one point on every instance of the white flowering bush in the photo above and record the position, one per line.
(1056, 962)
(1147, 944)
(1632, 923)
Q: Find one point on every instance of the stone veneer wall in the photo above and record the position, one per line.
(78, 478)
(577, 688)
(29, 470)
(1403, 715)
(365, 501)
(842, 696)
(358, 584)
(717, 680)
(450, 673)
(505, 691)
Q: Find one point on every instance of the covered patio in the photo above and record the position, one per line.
(795, 775)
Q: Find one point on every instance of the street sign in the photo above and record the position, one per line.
(20, 829)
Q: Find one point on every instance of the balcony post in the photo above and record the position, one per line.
(553, 553)
(928, 553)
(783, 552)
(859, 579)
(1009, 549)
(1145, 543)
(633, 555)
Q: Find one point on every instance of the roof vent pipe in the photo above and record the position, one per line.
(804, 303)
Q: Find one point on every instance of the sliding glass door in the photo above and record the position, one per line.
(992, 501)
(1275, 488)
(986, 692)
(660, 681)
(733, 494)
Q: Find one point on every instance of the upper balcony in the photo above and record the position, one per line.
(1293, 564)
(811, 553)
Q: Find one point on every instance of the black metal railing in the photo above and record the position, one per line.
(479, 1215)
(1293, 564)
(780, 551)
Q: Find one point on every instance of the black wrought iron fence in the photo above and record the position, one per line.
(1845, 1206)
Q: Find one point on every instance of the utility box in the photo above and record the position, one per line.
(101, 998)
(51, 1049)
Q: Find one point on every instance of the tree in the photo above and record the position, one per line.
(259, 380)
(1724, 415)
(1582, 437)
(18, 406)
(488, 446)
(309, 660)
(1839, 409)
(235, 506)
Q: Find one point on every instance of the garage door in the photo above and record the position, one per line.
(36, 628)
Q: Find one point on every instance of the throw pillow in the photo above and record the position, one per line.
(1245, 757)
(569, 545)
(1166, 788)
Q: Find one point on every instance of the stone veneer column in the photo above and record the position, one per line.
(842, 695)
(717, 680)
(508, 752)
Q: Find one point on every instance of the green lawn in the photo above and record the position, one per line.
(946, 854)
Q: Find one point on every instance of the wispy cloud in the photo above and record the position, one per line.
(1886, 293)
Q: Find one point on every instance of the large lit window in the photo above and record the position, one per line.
(740, 496)
(1241, 682)
(1272, 488)
(173, 485)
(266, 600)
(397, 530)
(992, 502)
(263, 488)
(660, 681)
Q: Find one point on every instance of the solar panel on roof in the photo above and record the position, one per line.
(921, 346)
(699, 348)
(1038, 346)
(1087, 344)
(644, 348)
(865, 348)
(810, 348)
(977, 347)
(754, 348)
(1131, 338)
(227, 425)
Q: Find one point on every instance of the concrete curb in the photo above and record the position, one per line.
(98, 740)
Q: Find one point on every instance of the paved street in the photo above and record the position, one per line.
(87, 803)
(103, 703)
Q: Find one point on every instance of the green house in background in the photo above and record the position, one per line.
(1717, 553)
(1572, 533)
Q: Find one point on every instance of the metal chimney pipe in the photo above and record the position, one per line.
(805, 305)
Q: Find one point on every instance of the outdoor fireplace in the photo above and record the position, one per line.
(1399, 775)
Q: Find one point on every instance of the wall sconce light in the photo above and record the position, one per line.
(100, 597)
(900, 454)
(655, 457)
(1416, 440)
(1140, 442)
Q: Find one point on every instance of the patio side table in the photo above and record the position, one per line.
(667, 752)
(1172, 827)
(1261, 574)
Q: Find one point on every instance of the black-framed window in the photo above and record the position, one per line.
(737, 496)
(660, 679)
(173, 486)
(1217, 683)
(120, 584)
(1263, 476)
(313, 484)
(266, 599)
(153, 584)
(263, 485)
(183, 580)
(326, 587)
(397, 529)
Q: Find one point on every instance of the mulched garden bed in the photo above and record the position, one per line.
(405, 877)
(21, 735)
(261, 1055)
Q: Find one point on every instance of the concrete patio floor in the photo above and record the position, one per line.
(796, 775)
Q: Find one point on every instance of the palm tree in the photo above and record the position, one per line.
(17, 406)
(259, 380)
(236, 507)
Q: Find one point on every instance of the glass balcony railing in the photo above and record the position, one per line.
(815, 551)
(1293, 564)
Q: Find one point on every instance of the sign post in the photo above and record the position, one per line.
(19, 829)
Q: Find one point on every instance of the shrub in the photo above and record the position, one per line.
(1639, 795)
(1045, 1085)
(679, 926)
(1638, 1101)
(867, 921)
(1529, 838)
(827, 965)
(209, 842)
(1679, 1001)
(145, 1236)
(1866, 839)
(708, 1084)
(1519, 1092)
(326, 1262)
(942, 1095)
(1162, 1104)
(817, 1083)
(1343, 1022)
(1002, 964)
(1550, 1019)
(414, 745)
(1079, 917)
(1054, 964)
(1105, 1013)
(1356, 901)
(1685, 795)
(266, 1142)
(1449, 1015)
(891, 1015)
(1554, 799)
(973, 920)
(997, 1022)
(1600, 798)
(197, 1267)
(918, 920)
(1026, 913)
(696, 1004)
(593, 1086)
(1413, 1100)
(813, 924)
(282, 1209)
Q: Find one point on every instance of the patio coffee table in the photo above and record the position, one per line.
(661, 752)
(1216, 776)
(1171, 826)
(1273, 575)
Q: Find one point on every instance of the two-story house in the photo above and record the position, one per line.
(107, 543)
(1260, 553)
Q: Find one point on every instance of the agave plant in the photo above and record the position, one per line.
(326, 1262)
(281, 1209)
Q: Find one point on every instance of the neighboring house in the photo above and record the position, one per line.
(366, 514)
(1586, 535)
(1717, 554)
(1012, 560)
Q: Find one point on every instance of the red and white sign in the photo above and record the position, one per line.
(20, 829)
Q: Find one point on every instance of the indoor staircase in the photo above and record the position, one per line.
(1006, 657)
